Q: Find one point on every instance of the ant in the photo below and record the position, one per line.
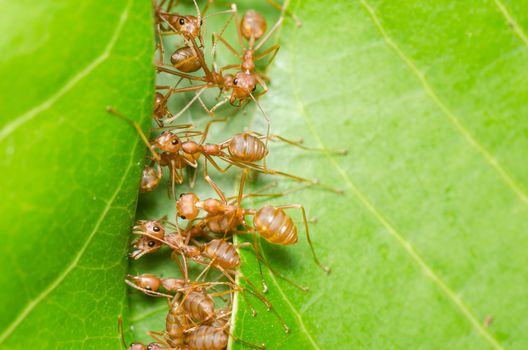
(217, 253)
(242, 151)
(270, 222)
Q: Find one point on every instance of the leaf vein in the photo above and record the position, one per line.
(17, 122)
(509, 18)
(470, 139)
(407, 246)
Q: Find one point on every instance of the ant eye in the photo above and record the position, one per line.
(174, 141)
(201, 22)
(182, 194)
(151, 244)
(235, 81)
(182, 217)
(181, 21)
(254, 88)
(156, 228)
(148, 288)
(149, 347)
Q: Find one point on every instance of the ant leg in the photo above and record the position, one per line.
(248, 344)
(207, 126)
(213, 48)
(192, 179)
(136, 126)
(299, 206)
(261, 169)
(179, 74)
(266, 302)
(237, 25)
(241, 187)
(186, 107)
(267, 121)
(217, 167)
(160, 44)
(274, 49)
(270, 33)
(121, 332)
(227, 45)
(299, 144)
(216, 188)
(288, 12)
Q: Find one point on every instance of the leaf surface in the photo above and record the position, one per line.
(71, 169)
(427, 244)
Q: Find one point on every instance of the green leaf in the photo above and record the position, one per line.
(427, 244)
(71, 170)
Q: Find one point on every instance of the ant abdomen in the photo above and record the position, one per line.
(199, 305)
(247, 148)
(184, 59)
(253, 24)
(223, 253)
(275, 226)
(175, 325)
(207, 338)
(160, 106)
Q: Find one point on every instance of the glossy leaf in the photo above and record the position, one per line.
(427, 245)
(71, 170)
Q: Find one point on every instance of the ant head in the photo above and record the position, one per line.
(243, 85)
(147, 281)
(150, 179)
(168, 142)
(186, 206)
(188, 26)
(151, 227)
(144, 245)
(253, 24)
(184, 59)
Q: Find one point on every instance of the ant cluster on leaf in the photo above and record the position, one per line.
(199, 308)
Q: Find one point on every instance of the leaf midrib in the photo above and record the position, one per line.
(31, 114)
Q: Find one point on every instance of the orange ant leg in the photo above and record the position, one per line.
(274, 49)
(243, 342)
(270, 33)
(261, 169)
(266, 302)
(186, 107)
(192, 179)
(286, 11)
(267, 121)
(215, 165)
(208, 126)
(300, 144)
(216, 188)
(136, 126)
(227, 45)
(179, 74)
(237, 25)
(305, 220)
